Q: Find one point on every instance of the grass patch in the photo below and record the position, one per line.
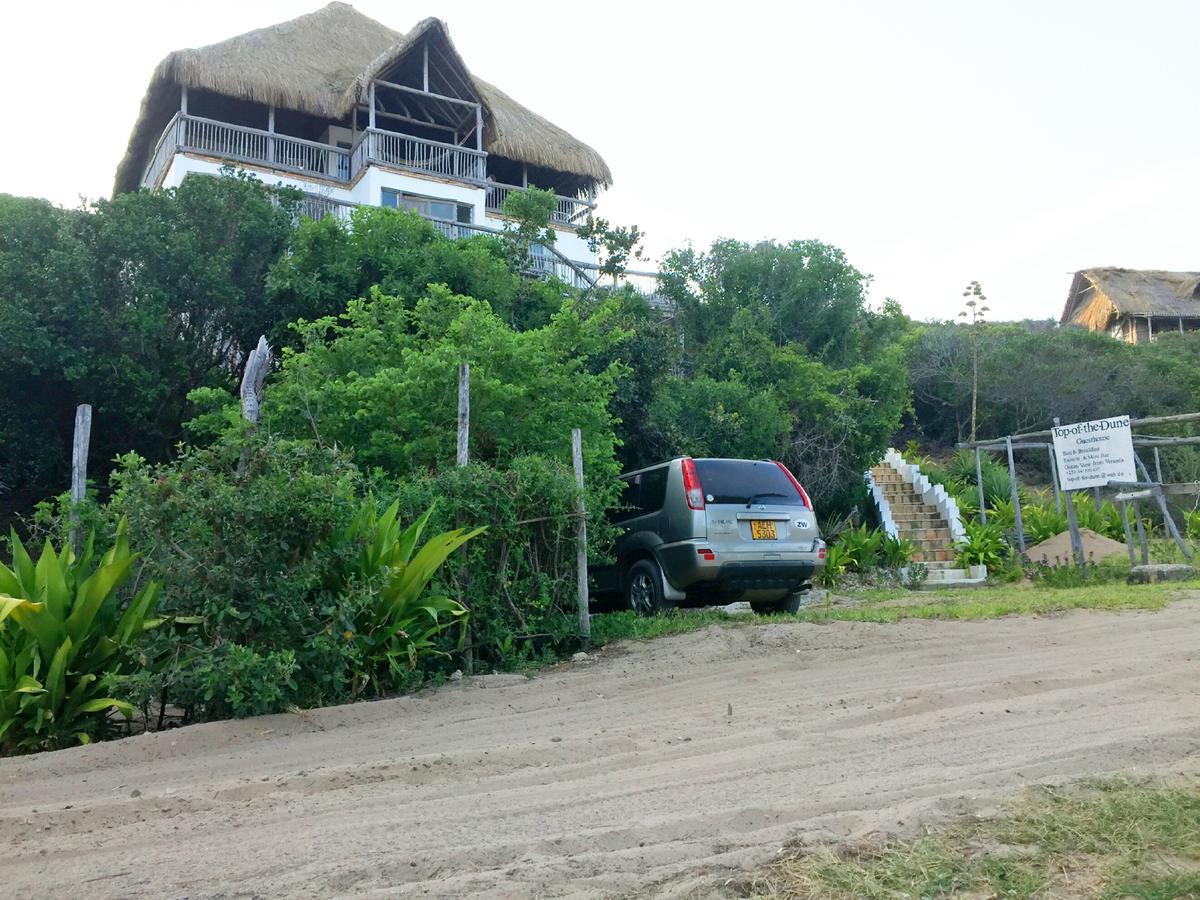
(1109, 839)
(875, 606)
(994, 602)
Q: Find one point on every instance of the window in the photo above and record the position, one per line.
(654, 490)
(745, 481)
(643, 494)
(429, 207)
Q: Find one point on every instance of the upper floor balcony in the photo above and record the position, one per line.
(312, 160)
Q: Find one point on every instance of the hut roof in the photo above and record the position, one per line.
(1098, 295)
(321, 64)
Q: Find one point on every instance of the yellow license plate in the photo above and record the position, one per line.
(762, 531)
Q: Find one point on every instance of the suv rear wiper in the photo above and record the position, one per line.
(754, 498)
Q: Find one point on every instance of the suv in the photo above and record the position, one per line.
(706, 531)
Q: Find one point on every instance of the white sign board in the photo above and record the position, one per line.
(1091, 454)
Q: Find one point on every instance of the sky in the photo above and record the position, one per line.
(934, 142)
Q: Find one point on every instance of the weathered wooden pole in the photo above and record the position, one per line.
(1128, 532)
(1054, 478)
(1166, 512)
(79, 455)
(1073, 524)
(1016, 498)
(464, 413)
(258, 361)
(1141, 530)
(585, 620)
(1158, 465)
(979, 485)
(462, 458)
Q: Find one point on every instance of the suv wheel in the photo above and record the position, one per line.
(644, 589)
(789, 604)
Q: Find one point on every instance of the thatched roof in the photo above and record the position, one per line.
(321, 64)
(1100, 295)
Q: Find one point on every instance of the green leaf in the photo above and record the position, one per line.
(51, 584)
(107, 703)
(56, 678)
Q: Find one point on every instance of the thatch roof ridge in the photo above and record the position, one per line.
(1111, 290)
(320, 63)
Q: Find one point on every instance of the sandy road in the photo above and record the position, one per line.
(621, 775)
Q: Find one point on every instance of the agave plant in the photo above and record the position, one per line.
(897, 552)
(835, 566)
(62, 631)
(859, 547)
(984, 545)
(395, 622)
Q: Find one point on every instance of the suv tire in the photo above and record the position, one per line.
(790, 604)
(644, 589)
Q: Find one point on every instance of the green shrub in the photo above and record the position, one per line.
(860, 547)
(984, 545)
(836, 563)
(896, 552)
(395, 622)
(1043, 521)
(259, 557)
(517, 579)
(64, 635)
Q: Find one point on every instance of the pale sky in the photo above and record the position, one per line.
(935, 142)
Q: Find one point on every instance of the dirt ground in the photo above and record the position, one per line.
(663, 768)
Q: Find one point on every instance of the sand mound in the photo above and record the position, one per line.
(1095, 547)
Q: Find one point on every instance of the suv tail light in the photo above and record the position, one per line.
(795, 483)
(691, 484)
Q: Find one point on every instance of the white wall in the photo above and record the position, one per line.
(368, 191)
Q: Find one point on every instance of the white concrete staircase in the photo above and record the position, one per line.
(911, 507)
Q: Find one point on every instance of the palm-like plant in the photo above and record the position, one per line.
(62, 631)
(395, 622)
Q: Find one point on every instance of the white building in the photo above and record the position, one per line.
(352, 113)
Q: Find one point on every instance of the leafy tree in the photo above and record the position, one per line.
(616, 245)
(401, 254)
(128, 304)
(382, 380)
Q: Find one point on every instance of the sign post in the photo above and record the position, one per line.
(1090, 455)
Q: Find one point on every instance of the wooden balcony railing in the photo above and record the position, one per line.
(569, 211)
(447, 160)
(278, 151)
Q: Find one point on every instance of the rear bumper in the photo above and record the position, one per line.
(733, 573)
(765, 575)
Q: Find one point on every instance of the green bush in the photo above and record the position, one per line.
(395, 621)
(860, 547)
(518, 579)
(984, 545)
(64, 635)
(259, 558)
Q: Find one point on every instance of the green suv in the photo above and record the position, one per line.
(699, 532)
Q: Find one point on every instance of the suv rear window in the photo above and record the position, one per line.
(746, 481)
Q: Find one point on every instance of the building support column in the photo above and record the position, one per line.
(183, 101)
(271, 132)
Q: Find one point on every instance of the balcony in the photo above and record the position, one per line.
(192, 134)
(569, 211)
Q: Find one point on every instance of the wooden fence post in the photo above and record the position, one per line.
(1141, 530)
(1166, 511)
(464, 413)
(79, 455)
(585, 621)
(979, 485)
(1016, 499)
(1073, 522)
(257, 363)
(1128, 532)
(1054, 478)
(462, 458)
